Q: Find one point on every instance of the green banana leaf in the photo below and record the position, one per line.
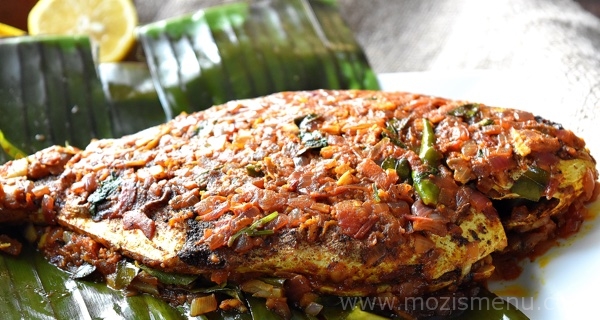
(250, 49)
(53, 93)
(50, 93)
(32, 288)
(133, 97)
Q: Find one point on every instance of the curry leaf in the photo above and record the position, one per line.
(313, 140)
(107, 187)
(393, 128)
(466, 111)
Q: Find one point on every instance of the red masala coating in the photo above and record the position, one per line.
(241, 186)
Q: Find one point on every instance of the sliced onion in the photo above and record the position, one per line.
(146, 283)
(279, 306)
(484, 272)
(262, 289)
(274, 292)
(18, 168)
(202, 305)
(233, 304)
(437, 226)
(10, 245)
(422, 244)
(419, 209)
(501, 159)
(255, 285)
(30, 234)
(480, 202)
(470, 148)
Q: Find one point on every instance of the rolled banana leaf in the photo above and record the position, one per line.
(50, 93)
(250, 49)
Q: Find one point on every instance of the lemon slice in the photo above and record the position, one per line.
(8, 31)
(109, 23)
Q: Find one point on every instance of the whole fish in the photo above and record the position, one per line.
(353, 192)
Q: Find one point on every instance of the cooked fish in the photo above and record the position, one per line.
(359, 192)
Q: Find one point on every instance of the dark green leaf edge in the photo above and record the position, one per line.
(255, 42)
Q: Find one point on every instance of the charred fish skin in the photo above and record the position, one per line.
(341, 180)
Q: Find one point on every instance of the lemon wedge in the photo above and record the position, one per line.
(109, 23)
(8, 31)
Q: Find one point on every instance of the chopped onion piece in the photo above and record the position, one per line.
(202, 305)
(313, 309)
(262, 289)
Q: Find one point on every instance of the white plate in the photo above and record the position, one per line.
(564, 283)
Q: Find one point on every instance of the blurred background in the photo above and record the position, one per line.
(411, 35)
(559, 39)
(423, 35)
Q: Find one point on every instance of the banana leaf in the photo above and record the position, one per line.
(250, 49)
(133, 98)
(50, 93)
(32, 288)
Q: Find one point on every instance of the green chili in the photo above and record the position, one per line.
(401, 166)
(425, 188)
(466, 111)
(252, 230)
(485, 122)
(255, 170)
(170, 277)
(125, 273)
(428, 153)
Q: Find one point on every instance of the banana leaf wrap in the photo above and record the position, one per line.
(250, 49)
(50, 93)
